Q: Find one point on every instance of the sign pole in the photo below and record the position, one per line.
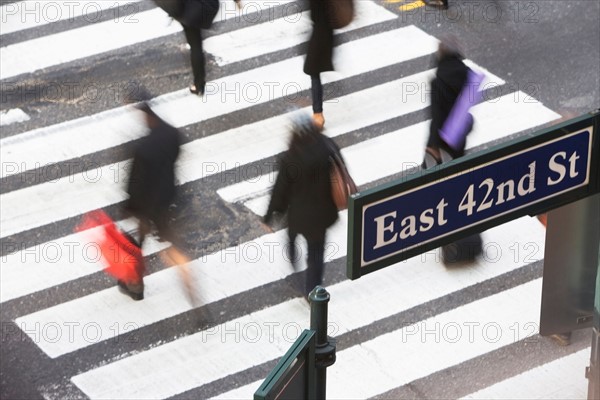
(324, 345)
(593, 371)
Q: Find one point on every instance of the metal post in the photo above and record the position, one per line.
(593, 371)
(324, 345)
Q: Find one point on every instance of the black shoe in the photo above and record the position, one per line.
(436, 4)
(199, 90)
(123, 288)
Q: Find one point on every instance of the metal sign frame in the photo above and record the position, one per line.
(358, 203)
(286, 370)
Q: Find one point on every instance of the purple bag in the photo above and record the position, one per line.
(459, 122)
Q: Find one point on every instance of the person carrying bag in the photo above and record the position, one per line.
(454, 90)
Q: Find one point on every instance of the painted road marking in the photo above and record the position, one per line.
(111, 128)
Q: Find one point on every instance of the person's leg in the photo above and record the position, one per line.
(135, 288)
(317, 99)
(315, 261)
(194, 39)
(175, 257)
(292, 254)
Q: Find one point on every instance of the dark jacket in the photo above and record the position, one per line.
(191, 13)
(303, 186)
(450, 78)
(320, 46)
(151, 186)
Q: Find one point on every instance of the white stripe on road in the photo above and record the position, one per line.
(421, 349)
(242, 393)
(199, 158)
(395, 153)
(194, 360)
(218, 276)
(48, 264)
(559, 379)
(354, 304)
(74, 44)
(101, 187)
(403, 149)
(28, 14)
(233, 93)
(283, 33)
(12, 116)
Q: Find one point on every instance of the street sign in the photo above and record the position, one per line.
(425, 210)
(292, 377)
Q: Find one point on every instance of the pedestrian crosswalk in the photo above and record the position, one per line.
(402, 324)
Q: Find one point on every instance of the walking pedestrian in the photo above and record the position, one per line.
(303, 191)
(194, 16)
(449, 81)
(152, 190)
(319, 55)
(451, 96)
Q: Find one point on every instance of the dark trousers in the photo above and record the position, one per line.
(194, 39)
(315, 259)
(317, 93)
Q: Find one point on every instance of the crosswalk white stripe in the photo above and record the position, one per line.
(283, 33)
(199, 159)
(354, 304)
(232, 93)
(74, 44)
(563, 378)
(12, 116)
(218, 276)
(449, 338)
(222, 274)
(242, 393)
(52, 263)
(28, 14)
(559, 379)
(403, 149)
(24, 274)
(194, 361)
(101, 187)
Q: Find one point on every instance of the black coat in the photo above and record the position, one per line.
(303, 188)
(450, 78)
(191, 13)
(320, 46)
(151, 186)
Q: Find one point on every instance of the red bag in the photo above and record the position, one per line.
(119, 250)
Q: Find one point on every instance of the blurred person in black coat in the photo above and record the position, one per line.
(319, 55)
(450, 78)
(152, 190)
(303, 190)
(151, 186)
